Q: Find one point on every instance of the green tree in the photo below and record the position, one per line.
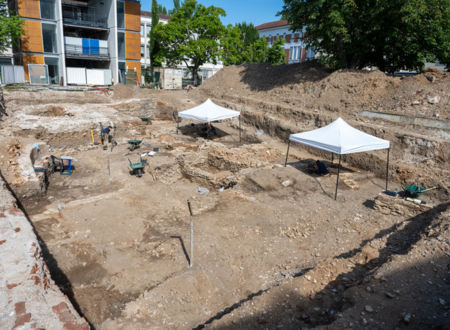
(161, 9)
(11, 27)
(241, 44)
(257, 52)
(176, 5)
(233, 51)
(154, 44)
(192, 36)
(276, 54)
(249, 33)
(390, 34)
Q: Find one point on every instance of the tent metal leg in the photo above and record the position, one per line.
(240, 129)
(287, 153)
(178, 125)
(337, 180)
(387, 168)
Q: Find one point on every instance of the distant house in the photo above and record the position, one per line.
(294, 46)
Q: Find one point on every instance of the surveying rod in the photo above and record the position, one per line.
(191, 256)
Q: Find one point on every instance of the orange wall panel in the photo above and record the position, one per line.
(132, 46)
(29, 8)
(32, 38)
(31, 59)
(135, 65)
(132, 16)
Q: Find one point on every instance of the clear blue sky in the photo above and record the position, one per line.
(250, 11)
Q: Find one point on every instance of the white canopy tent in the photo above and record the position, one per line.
(209, 112)
(340, 138)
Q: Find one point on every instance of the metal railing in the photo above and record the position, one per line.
(87, 51)
(84, 19)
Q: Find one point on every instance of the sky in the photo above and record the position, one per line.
(250, 11)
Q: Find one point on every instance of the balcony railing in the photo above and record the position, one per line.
(84, 19)
(87, 51)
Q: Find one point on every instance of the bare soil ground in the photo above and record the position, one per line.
(273, 249)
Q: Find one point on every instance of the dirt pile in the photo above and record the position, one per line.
(426, 95)
(123, 92)
(343, 92)
(303, 85)
(50, 111)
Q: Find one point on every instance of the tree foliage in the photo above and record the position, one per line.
(154, 44)
(233, 50)
(249, 33)
(275, 54)
(161, 9)
(390, 34)
(176, 5)
(191, 36)
(11, 27)
(242, 44)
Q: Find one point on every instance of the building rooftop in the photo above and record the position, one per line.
(149, 14)
(272, 25)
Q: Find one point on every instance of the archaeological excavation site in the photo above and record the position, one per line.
(119, 212)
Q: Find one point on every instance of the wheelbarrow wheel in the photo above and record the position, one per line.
(139, 172)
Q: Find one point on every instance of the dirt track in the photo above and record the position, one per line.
(273, 250)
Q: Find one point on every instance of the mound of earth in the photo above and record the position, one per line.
(309, 86)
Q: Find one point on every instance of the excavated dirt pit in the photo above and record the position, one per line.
(118, 245)
(115, 239)
(112, 239)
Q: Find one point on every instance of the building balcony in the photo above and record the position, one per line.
(88, 20)
(95, 53)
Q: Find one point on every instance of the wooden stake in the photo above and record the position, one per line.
(191, 256)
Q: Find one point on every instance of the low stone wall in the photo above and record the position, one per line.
(28, 296)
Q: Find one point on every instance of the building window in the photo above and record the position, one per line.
(142, 51)
(142, 30)
(121, 44)
(121, 15)
(49, 38)
(48, 9)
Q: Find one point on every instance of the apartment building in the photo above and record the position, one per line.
(294, 46)
(146, 25)
(79, 42)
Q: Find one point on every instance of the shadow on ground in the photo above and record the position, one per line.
(426, 304)
(264, 77)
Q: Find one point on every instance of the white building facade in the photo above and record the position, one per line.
(294, 46)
